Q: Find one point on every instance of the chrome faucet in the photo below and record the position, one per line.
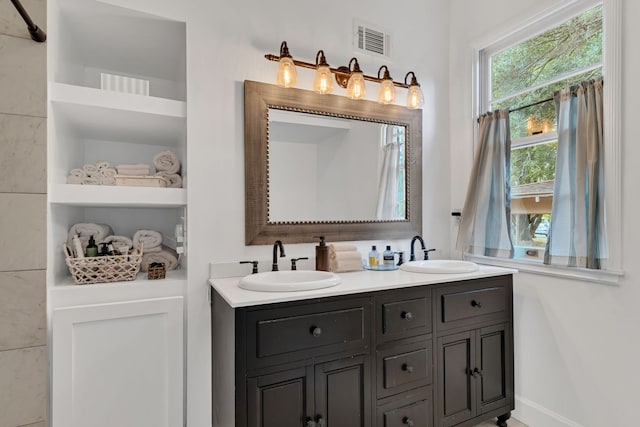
(276, 245)
(413, 241)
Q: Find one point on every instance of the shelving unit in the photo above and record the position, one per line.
(87, 124)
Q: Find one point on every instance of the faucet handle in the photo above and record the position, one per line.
(426, 253)
(294, 260)
(254, 263)
(400, 258)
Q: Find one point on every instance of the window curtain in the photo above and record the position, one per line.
(486, 218)
(577, 230)
(388, 185)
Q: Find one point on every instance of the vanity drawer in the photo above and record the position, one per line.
(404, 367)
(461, 304)
(415, 409)
(296, 332)
(404, 316)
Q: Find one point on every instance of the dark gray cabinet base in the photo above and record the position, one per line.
(438, 355)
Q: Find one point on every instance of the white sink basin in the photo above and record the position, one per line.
(439, 266)
(290, 280)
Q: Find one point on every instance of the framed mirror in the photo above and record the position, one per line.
(328, 165)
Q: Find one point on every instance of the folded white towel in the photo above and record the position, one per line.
(118, 241)
(342, 261)
(175, 180)
(107, 176)
(102, 164)
(342, 247)
(151, 239)
(76, 176)
(90, 169)
(167, 161)
(85, 230)
(166, 255)
(137, 169)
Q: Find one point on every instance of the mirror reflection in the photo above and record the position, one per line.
(325, 168)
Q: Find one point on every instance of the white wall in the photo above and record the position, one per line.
(226, 45)
(576, 343)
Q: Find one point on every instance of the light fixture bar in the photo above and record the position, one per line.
(341, 71)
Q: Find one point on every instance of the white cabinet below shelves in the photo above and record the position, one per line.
(118, 364)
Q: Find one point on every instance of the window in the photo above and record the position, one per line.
(522, 73)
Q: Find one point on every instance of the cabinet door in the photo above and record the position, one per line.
(495, 381)
(282, 399)
(343, 393)
(118, 364)
(456, 390)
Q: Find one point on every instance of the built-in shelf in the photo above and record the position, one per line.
(116, 196)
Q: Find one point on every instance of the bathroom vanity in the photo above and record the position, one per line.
(383, 349)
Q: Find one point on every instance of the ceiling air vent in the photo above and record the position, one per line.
(371, 40)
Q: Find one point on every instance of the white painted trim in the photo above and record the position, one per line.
(533, 414)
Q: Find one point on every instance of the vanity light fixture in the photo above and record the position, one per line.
(415, 98)
(350, 77)
(387, 92)
(287, 76)
(322, 82)
(356, 88)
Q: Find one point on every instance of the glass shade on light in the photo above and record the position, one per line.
(387, 92)
(355, 85)
(415, 98)
(286, 76)
(322, 82)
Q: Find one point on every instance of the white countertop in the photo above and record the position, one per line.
(351, 283)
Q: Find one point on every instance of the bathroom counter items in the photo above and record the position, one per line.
(351, 283)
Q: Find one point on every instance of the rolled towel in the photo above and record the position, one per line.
(136, 170)
(107, 176)
(167, 161)
(118, 241)
(76, 176)
(91, 180)
(102, 164)
(165, 255)
(151, 239)
(342, 261)
(90, 169)
(85, 230)
(175, 180)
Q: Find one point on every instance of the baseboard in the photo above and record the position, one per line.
(535, 415)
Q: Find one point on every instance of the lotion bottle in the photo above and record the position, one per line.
(322, 255)
(374, 262)
(388, 257)
(92, 248)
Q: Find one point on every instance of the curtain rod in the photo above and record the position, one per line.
(36, 33)
(522, 107)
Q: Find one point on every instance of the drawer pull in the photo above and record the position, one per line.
(407, 315)
(407, 368)
(408, 421)
(316, 331)
(476, 304)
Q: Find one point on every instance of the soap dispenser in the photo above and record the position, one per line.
(322, 255)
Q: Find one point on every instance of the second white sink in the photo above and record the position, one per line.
(290, 280)
(440, 266)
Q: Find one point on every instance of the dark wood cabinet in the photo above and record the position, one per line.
(438, 355)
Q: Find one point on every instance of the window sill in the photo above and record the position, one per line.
(607, 277)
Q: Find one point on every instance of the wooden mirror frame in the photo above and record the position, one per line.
(258, 98)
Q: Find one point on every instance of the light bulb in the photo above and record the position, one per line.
(415, 98)
(355, 85)
(387, 92)
(287, 75)
(322, 83)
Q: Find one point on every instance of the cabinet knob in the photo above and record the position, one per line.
(407, 368)
(477, 372)
(320, 422)
(476, 304)
(408, 421)
(316, 331)
(310, 422)
(407, 315)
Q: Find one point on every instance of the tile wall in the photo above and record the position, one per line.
(23, 187)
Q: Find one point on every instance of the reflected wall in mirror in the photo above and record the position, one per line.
(328, 165)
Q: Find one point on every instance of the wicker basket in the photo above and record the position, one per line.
(104, 269)
(156, 270)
